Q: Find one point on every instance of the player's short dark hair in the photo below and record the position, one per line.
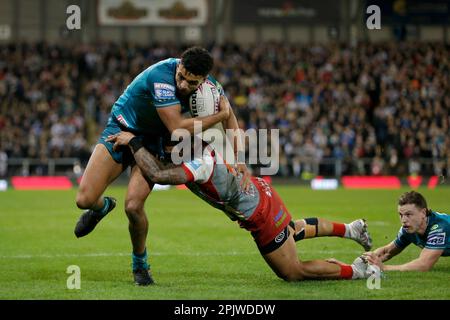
(197, 60)
(415, 198)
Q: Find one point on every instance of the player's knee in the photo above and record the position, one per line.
(83, 201)
(134, 208)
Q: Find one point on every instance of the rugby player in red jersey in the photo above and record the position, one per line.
(259, 210)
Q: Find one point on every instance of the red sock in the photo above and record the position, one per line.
(346, 272)
(338, 229)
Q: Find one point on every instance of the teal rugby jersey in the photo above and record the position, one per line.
(153, 88)
(436, 235)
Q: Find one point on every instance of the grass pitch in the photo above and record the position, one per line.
(195, 251)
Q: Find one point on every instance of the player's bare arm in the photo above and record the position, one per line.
(387, 252)
(172, 118)
(425, 262)
(149, 165)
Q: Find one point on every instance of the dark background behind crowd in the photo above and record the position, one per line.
(372, 109)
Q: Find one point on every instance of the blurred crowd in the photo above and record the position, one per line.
(41, 114)
(372, 109)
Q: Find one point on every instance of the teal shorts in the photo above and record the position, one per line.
(123, 154)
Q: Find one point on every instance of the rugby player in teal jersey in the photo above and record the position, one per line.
(259, 210)
(150, 107)
(427, 229)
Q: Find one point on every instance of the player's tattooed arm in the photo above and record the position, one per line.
(151, 167)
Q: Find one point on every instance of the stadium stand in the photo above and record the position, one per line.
(371, 109)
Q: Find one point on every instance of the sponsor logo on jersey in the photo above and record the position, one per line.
(279, 237)
(279, 218)
(436, 230)
(434, 227)
(436, 239)
(164, 86)
(279, 214)
(164, 90)
(122, 120)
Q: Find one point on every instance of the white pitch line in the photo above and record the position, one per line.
(192, 254)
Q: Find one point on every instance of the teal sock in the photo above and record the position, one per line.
(140, 260)
(104, 210)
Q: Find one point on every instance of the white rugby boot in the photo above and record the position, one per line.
(357, 230)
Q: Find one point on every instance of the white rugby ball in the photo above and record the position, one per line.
(205, 101)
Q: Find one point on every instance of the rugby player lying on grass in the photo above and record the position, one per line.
(430, 230)
(259, 210)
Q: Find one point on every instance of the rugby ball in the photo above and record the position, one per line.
(205, 101)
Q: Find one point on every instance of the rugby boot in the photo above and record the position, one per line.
(90, 218)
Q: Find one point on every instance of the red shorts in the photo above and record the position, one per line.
(268, 224)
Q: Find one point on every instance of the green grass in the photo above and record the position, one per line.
(195, 251)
